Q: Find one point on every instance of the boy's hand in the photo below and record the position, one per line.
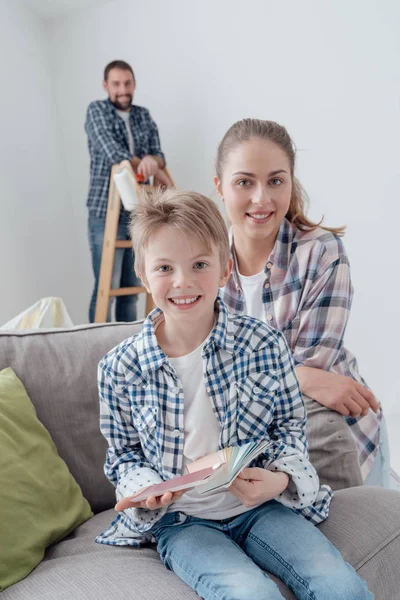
(254, 485)
(151, 503)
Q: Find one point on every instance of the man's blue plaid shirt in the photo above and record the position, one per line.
(109, 145)
(251, 382)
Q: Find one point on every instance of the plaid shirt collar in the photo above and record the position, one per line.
(150, 355)
(280, 255)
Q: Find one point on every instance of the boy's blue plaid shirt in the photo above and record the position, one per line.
(251, 382)
(108, 145)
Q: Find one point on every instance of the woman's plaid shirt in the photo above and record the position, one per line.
(307, 296)
(251, 382)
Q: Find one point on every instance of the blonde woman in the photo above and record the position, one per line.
(294, 275)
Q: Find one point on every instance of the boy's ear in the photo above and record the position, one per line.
(217, 184)
(227, 273)
(144, 281)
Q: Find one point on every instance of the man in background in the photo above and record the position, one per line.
(118, 130)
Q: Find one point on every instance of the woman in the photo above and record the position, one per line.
(294, 274)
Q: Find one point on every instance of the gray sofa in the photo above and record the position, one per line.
(58, 369)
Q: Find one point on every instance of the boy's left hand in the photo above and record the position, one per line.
(151, 503)
(254, 485)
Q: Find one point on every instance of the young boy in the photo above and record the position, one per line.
(197, 379)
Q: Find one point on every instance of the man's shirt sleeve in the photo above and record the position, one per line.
(100, 134)
(154, 140)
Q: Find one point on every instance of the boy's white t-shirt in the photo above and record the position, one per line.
(125, 115)
(202, 431)
(252, 287)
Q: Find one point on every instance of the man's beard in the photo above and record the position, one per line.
(122, 106)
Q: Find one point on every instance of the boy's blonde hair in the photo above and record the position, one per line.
(190, 212)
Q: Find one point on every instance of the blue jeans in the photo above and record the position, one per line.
(225, 560)
(123, 272)
(379, 475)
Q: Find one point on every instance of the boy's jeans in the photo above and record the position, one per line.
(225, 559)
(123, 273)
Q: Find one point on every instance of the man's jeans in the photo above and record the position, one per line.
(226, 559)
(123, 273)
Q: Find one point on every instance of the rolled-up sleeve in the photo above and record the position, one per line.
(324, 315)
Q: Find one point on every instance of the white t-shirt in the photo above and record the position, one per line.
(125, 116)
(252, 287)
(202, 431)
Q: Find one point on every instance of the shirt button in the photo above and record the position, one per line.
(256, 390)
(176, 433)
(269, 265)
(266, 285)
(269, 317)
(175, 390)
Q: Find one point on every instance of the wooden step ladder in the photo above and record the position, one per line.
(110, 244)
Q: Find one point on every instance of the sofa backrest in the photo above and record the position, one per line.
(58, 368)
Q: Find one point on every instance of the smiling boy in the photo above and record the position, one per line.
(197, 379)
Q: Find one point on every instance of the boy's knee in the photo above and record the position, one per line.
(256, 588)
(345, 586)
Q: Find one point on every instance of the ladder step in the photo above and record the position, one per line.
(127, 291)
(123, 244)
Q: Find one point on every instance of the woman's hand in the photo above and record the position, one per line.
(254, 486)
(151, 503)
(337, 392)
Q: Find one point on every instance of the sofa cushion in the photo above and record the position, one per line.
(40, 502)
(59, 371)
(364, 524)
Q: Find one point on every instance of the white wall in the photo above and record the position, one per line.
(36, 222)
(327, 70)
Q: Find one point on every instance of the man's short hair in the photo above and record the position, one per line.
(118, 64)
(190, 212)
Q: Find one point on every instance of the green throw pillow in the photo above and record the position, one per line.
(40, 501)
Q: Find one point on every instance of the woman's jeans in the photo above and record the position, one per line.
(379, 475)
(226, 559)
(123, 272)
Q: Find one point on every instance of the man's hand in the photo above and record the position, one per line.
(254, 485)
(148, 166)
(161, 179)
(152, 502)
(337, 392)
